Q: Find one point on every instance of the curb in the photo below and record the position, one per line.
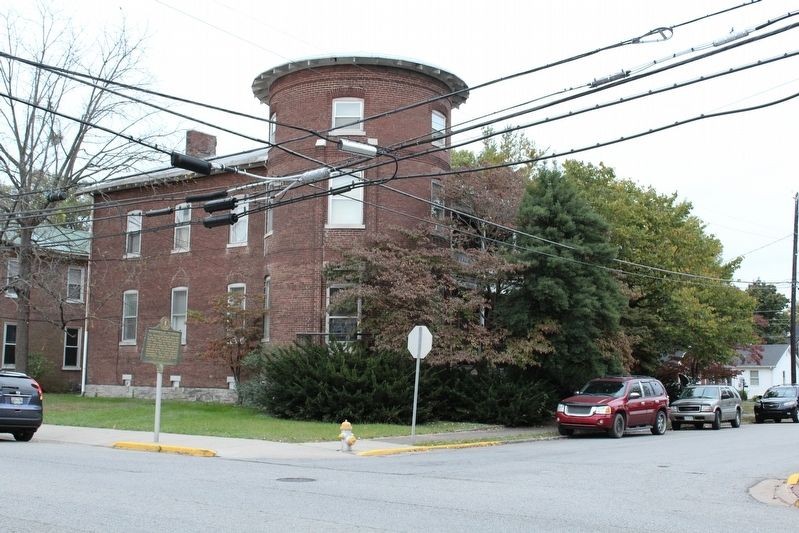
(163, 448)
(412, 449)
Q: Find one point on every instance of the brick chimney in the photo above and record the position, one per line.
(200, 144)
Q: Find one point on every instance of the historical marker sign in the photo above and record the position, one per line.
(161, 348)
(162, 345)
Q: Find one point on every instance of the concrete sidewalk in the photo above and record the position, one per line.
(252, 449)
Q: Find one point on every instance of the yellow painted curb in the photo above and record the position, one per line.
(164, 448)
(793, 479)
(410, 449)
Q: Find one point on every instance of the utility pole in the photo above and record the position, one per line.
(793, 288)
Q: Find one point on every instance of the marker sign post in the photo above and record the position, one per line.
(161, 348)
(420, 341)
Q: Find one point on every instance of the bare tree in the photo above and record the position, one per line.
(43, 154)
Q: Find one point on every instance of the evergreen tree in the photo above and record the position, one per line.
(564, 283)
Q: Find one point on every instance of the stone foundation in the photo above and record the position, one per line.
(167, 393)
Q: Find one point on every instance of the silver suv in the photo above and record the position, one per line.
(703, 404)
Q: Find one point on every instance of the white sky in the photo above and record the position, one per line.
(737, 171)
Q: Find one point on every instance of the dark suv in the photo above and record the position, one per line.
(20, 405)
(778, 402)
(612, 404)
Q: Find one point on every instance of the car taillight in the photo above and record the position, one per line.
(39, 389)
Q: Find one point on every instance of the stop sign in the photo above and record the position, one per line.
(420, 341)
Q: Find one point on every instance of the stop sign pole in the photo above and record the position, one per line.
(420, 341)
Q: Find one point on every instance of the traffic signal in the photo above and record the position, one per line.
(228, 219)
(223, 204)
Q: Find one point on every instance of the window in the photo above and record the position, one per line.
(237, 298)
(635, 387)
(180, 308)
(648, 389)
(267, 306)
(74, 284)
(346, 209)
(347, 116)
(754, 377)
(133, 234)
(342, 317)
(12, 275)
(130, 311)
(236, 294)
(182, 241)
(269, 218)
(9, 345)
(437, 200)
(726, 394)
(439, 128)
(71, 348)
(272, 128)
(238, 231)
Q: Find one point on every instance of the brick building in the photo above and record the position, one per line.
(57, 296)
(145, 268)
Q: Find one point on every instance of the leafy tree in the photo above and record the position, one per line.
(649, 228)
(484, 205)
(239, 324)
(772, 320)
(490, 197)
(710, 321)
(410, 278)
(450, 284)
(565, 286)
(41, 151)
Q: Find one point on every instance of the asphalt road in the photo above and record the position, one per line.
(683, 481)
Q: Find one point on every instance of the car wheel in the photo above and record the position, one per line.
(676, 425)
(758, 420)
(566, 432)
(23, 436)
(795, 416)
(717, 420)
(736, 422)
(617, 429)
(660, 424)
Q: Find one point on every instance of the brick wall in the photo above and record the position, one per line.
(294, 255)
(206, 270)
(49, 310)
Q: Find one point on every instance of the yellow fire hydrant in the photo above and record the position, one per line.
(347, 438)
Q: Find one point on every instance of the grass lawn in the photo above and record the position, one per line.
(221, 420)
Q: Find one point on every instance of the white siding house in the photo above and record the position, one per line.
(763, 366)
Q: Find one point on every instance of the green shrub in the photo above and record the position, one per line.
(324, 383)
(743, 393)
(334, 383)
(39, 367)
(507, 395)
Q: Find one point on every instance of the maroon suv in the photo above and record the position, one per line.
(612, 404)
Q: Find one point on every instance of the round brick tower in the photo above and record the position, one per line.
(335, 97)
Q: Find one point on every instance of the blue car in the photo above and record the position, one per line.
(20, 405)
